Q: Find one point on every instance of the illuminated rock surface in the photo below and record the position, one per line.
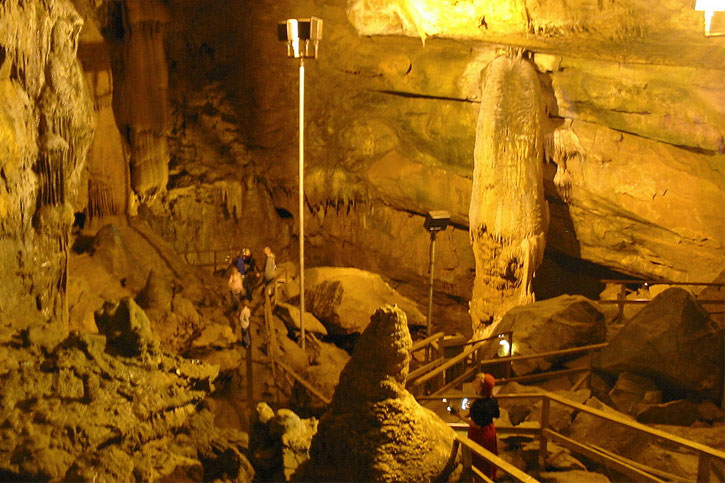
(673, 342)
(559, 323)
(180, 118)
(343, 298)
(374, 429)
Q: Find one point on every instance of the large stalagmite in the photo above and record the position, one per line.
(508, 214)
(375, 430)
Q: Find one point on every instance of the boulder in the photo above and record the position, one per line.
(375, 430)
(677, 413)
(673, 342)
(126, 327)
(560, 416)
(629, 443)
(280, 442)
(344, 298)
(290, 315)
(559, 323)
(157, 293)
(215, 336)
(631, 390)
(518, 409)
(319, 363)
(709, 411)
(111, 250)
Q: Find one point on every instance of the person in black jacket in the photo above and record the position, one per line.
(481, 428)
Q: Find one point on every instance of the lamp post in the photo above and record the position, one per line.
(435, 221)
(302, 37)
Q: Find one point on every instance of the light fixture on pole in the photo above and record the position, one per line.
(302, 36)
(434, 222)
(709, 7)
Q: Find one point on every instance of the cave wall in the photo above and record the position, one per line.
(635, 108)
(635, 111)
(46, 127)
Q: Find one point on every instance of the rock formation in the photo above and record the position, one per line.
(673, 342)
(560, 323)
(279, 442)
(46, 128)
(143, 102)
(374, 429)
(509, 215)
(343, 298)
(78, 413)
(108, 184)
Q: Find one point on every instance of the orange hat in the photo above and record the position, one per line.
(488, 382)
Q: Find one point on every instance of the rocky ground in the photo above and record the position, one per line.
(152, 382)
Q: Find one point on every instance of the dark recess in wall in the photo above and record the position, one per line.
(561, 274)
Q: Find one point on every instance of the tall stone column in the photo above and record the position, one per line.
(508, 214)
(143, 100)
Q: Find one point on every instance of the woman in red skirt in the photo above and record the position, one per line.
(481, 428)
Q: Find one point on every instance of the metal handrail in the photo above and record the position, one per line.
(469, 446)
(706, 454)
(621, 299)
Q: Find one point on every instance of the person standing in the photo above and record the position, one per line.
(270, 265)
(244, 318)
(236, 286)
(481, 428)
(247, 266)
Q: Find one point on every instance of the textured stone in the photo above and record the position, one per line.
(344, 298)
(560, 323)
(127, 328)
(80, 413)
(46, 127)
(673, 342)
(509, 216)
(680, 413)
(290, 314)
(630, 391)
(374, 429)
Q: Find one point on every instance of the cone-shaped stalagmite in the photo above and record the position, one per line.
(508, 214)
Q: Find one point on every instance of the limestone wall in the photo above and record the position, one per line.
(46, 129)
(635, 126)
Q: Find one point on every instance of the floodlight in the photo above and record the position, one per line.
(437, 220)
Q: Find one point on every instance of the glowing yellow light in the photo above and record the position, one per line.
(503, 347)
(709, 7)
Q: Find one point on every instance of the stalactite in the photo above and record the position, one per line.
(143, 106)
(231, 195)
(508, 213)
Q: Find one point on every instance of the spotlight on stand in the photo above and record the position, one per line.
(303, 36)
(435, 221)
